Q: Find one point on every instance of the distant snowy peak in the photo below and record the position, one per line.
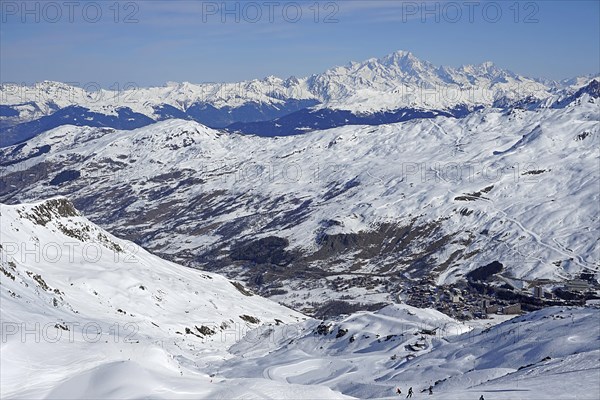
(179, 95)
(403, 65)
(396, 82)
(401, 80)
(589, 93)
(398, 68)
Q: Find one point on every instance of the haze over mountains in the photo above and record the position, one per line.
(395, 88)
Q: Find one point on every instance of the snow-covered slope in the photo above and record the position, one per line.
(547, 354)
(87, 315)
(354, 212)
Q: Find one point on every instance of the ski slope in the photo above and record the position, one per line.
(110, 322)
(547, 354)
(87, 315)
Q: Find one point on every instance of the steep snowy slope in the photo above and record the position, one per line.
(353, 213)
(87, 315)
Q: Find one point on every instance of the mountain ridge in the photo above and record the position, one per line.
(391, 83)
(353, 202)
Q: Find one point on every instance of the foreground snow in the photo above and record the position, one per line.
(518, 359)
(90, 316)
(111, 324)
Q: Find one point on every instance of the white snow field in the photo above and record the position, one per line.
(549, 354)
(87, 315)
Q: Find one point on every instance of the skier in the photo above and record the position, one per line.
(398, 391)
(430, 389)
(481, 398)
(410, 392)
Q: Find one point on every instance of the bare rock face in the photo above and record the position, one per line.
(52, 209)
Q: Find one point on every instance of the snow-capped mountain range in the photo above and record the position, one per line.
(331, 207)
(399, 85)
(326, 215)
(88, 315)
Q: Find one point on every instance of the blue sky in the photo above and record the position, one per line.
(152, 42)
